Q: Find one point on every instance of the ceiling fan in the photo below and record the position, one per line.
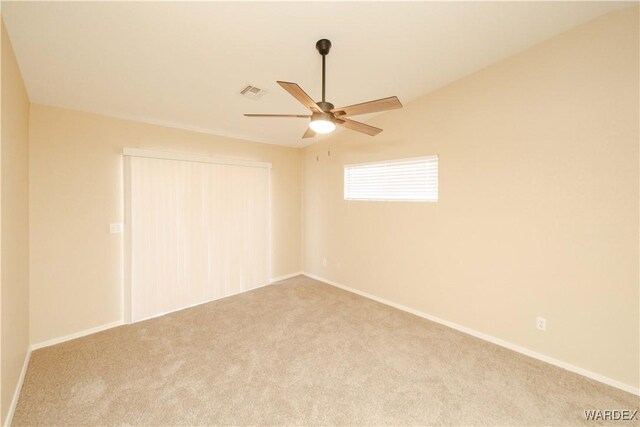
(324, 116)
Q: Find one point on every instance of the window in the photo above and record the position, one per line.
(414, 180)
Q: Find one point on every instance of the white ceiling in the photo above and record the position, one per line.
(183, 64)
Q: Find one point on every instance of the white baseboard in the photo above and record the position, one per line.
(101, 328)
(286, 276)
(16, 393)
(201, 303)
(75, 335)
(559, 363)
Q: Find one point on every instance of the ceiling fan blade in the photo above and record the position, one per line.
(358, 127)
(301, 116)
(384, 104)
(309, 133)
(299, 94)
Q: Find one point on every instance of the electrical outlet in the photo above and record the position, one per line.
(324, 262)
(116, 228)
(541, 323)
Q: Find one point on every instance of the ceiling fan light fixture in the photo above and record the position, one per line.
(322, 126)
(322, 123)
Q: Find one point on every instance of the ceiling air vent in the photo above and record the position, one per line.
(252, 92)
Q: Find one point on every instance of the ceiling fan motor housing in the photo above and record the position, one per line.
(323, 116)
(326, 106)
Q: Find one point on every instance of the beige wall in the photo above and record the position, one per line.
(538, 210)
(14, 290)
(76, 190)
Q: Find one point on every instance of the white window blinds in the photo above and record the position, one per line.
(413, 180)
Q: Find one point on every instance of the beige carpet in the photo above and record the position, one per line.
(298, 353)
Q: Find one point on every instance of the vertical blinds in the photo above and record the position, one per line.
(199, 232)
(414, 179)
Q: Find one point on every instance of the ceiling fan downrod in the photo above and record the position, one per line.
(324, 46)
